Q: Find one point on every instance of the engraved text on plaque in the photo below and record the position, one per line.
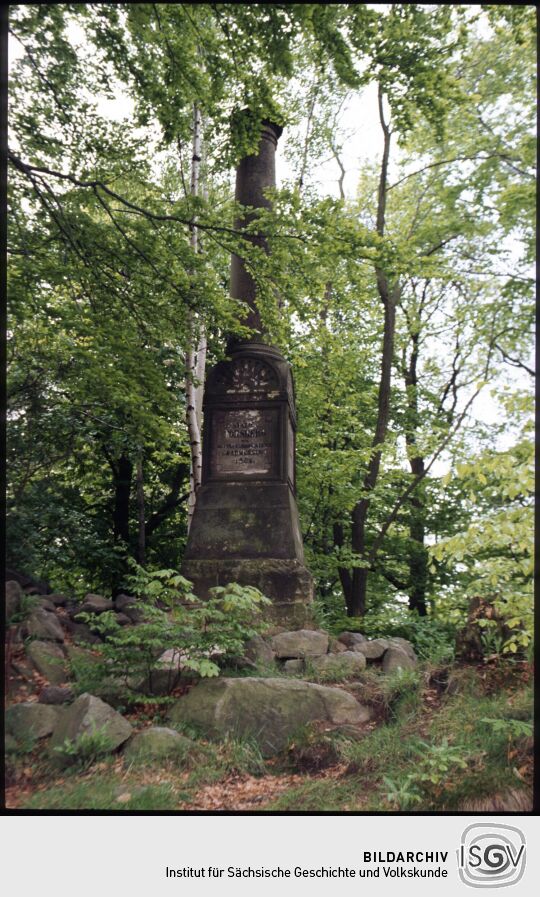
(243, 442)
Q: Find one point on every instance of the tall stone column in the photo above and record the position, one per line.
(245, 527)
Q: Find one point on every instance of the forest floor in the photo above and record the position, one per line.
(459, 738)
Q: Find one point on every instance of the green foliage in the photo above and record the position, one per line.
(436, 767)
(85, 750)
(195, 634)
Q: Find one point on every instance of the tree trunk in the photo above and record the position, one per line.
(418, 557)
(388, 295)
(196, 353)
(141, 536)
(122, 478)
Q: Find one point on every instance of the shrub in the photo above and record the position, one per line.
(172, 618)
(86, 749)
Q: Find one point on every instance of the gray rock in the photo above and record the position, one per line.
(346, 664)
(81, 632)
(159, 743)
(43, 625)
(57, 599)
(134, 613)
(46, 605)
(123, 619)
(54, 694)
(95, 604)
(267, 710)
(294, 666)
(10, 745)
(336, 647)
(14, 595)
(258, 650)
(405, 646)
(373, 649)
(49, 660)
(300, 643)
(123, 601)
(89, 714)
(351, 639)
(395, 658)
(29, 720)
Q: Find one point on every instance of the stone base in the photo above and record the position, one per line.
(287, 583)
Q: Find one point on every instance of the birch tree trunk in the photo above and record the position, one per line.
(196, 352)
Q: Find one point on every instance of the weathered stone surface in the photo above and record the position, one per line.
(123, 619)
(57, 599)
(348, 663)
(134, 613)
(14, 594)
(49, 660)
(396, 658)
(351, 639)
(405, 646)
(95, 604)
(300, 643)
(294, 666)
(10, 745)
(158, 743)
(287, 583)
(88, 714)
(336, 647)
(268, 710)
(258, 650)
(46, 605)
(43, 625)
(29, 720)
(54, 694)
(81, 632)
(373, 649)
(122, 601)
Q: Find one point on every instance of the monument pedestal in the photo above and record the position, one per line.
(245, 527)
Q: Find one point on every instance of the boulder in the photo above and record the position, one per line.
(81, 632)
(89, 714)
(57, 599)
(43, 625)
(294, 666)
(134, 613)
(267, 710)
(54, 694)
(346, 664)
(49, 660)
(300, 643)
(14, 595)
(95, 604)
(159, 743)
(123, 619)
(258, 650)
(351, 639)
(395, 658)
(123, 601)
(29, 720)
(405, 646)
(46, 604)
(373, 649)
(10, 745)
(336, 647)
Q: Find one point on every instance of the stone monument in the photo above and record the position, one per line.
(245, 527)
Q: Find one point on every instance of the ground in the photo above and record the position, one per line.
(443, 739)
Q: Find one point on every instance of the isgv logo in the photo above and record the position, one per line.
(491, 855)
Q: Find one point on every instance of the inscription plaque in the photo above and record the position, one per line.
(243, 442)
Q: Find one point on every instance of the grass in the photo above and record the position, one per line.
(425, 751)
